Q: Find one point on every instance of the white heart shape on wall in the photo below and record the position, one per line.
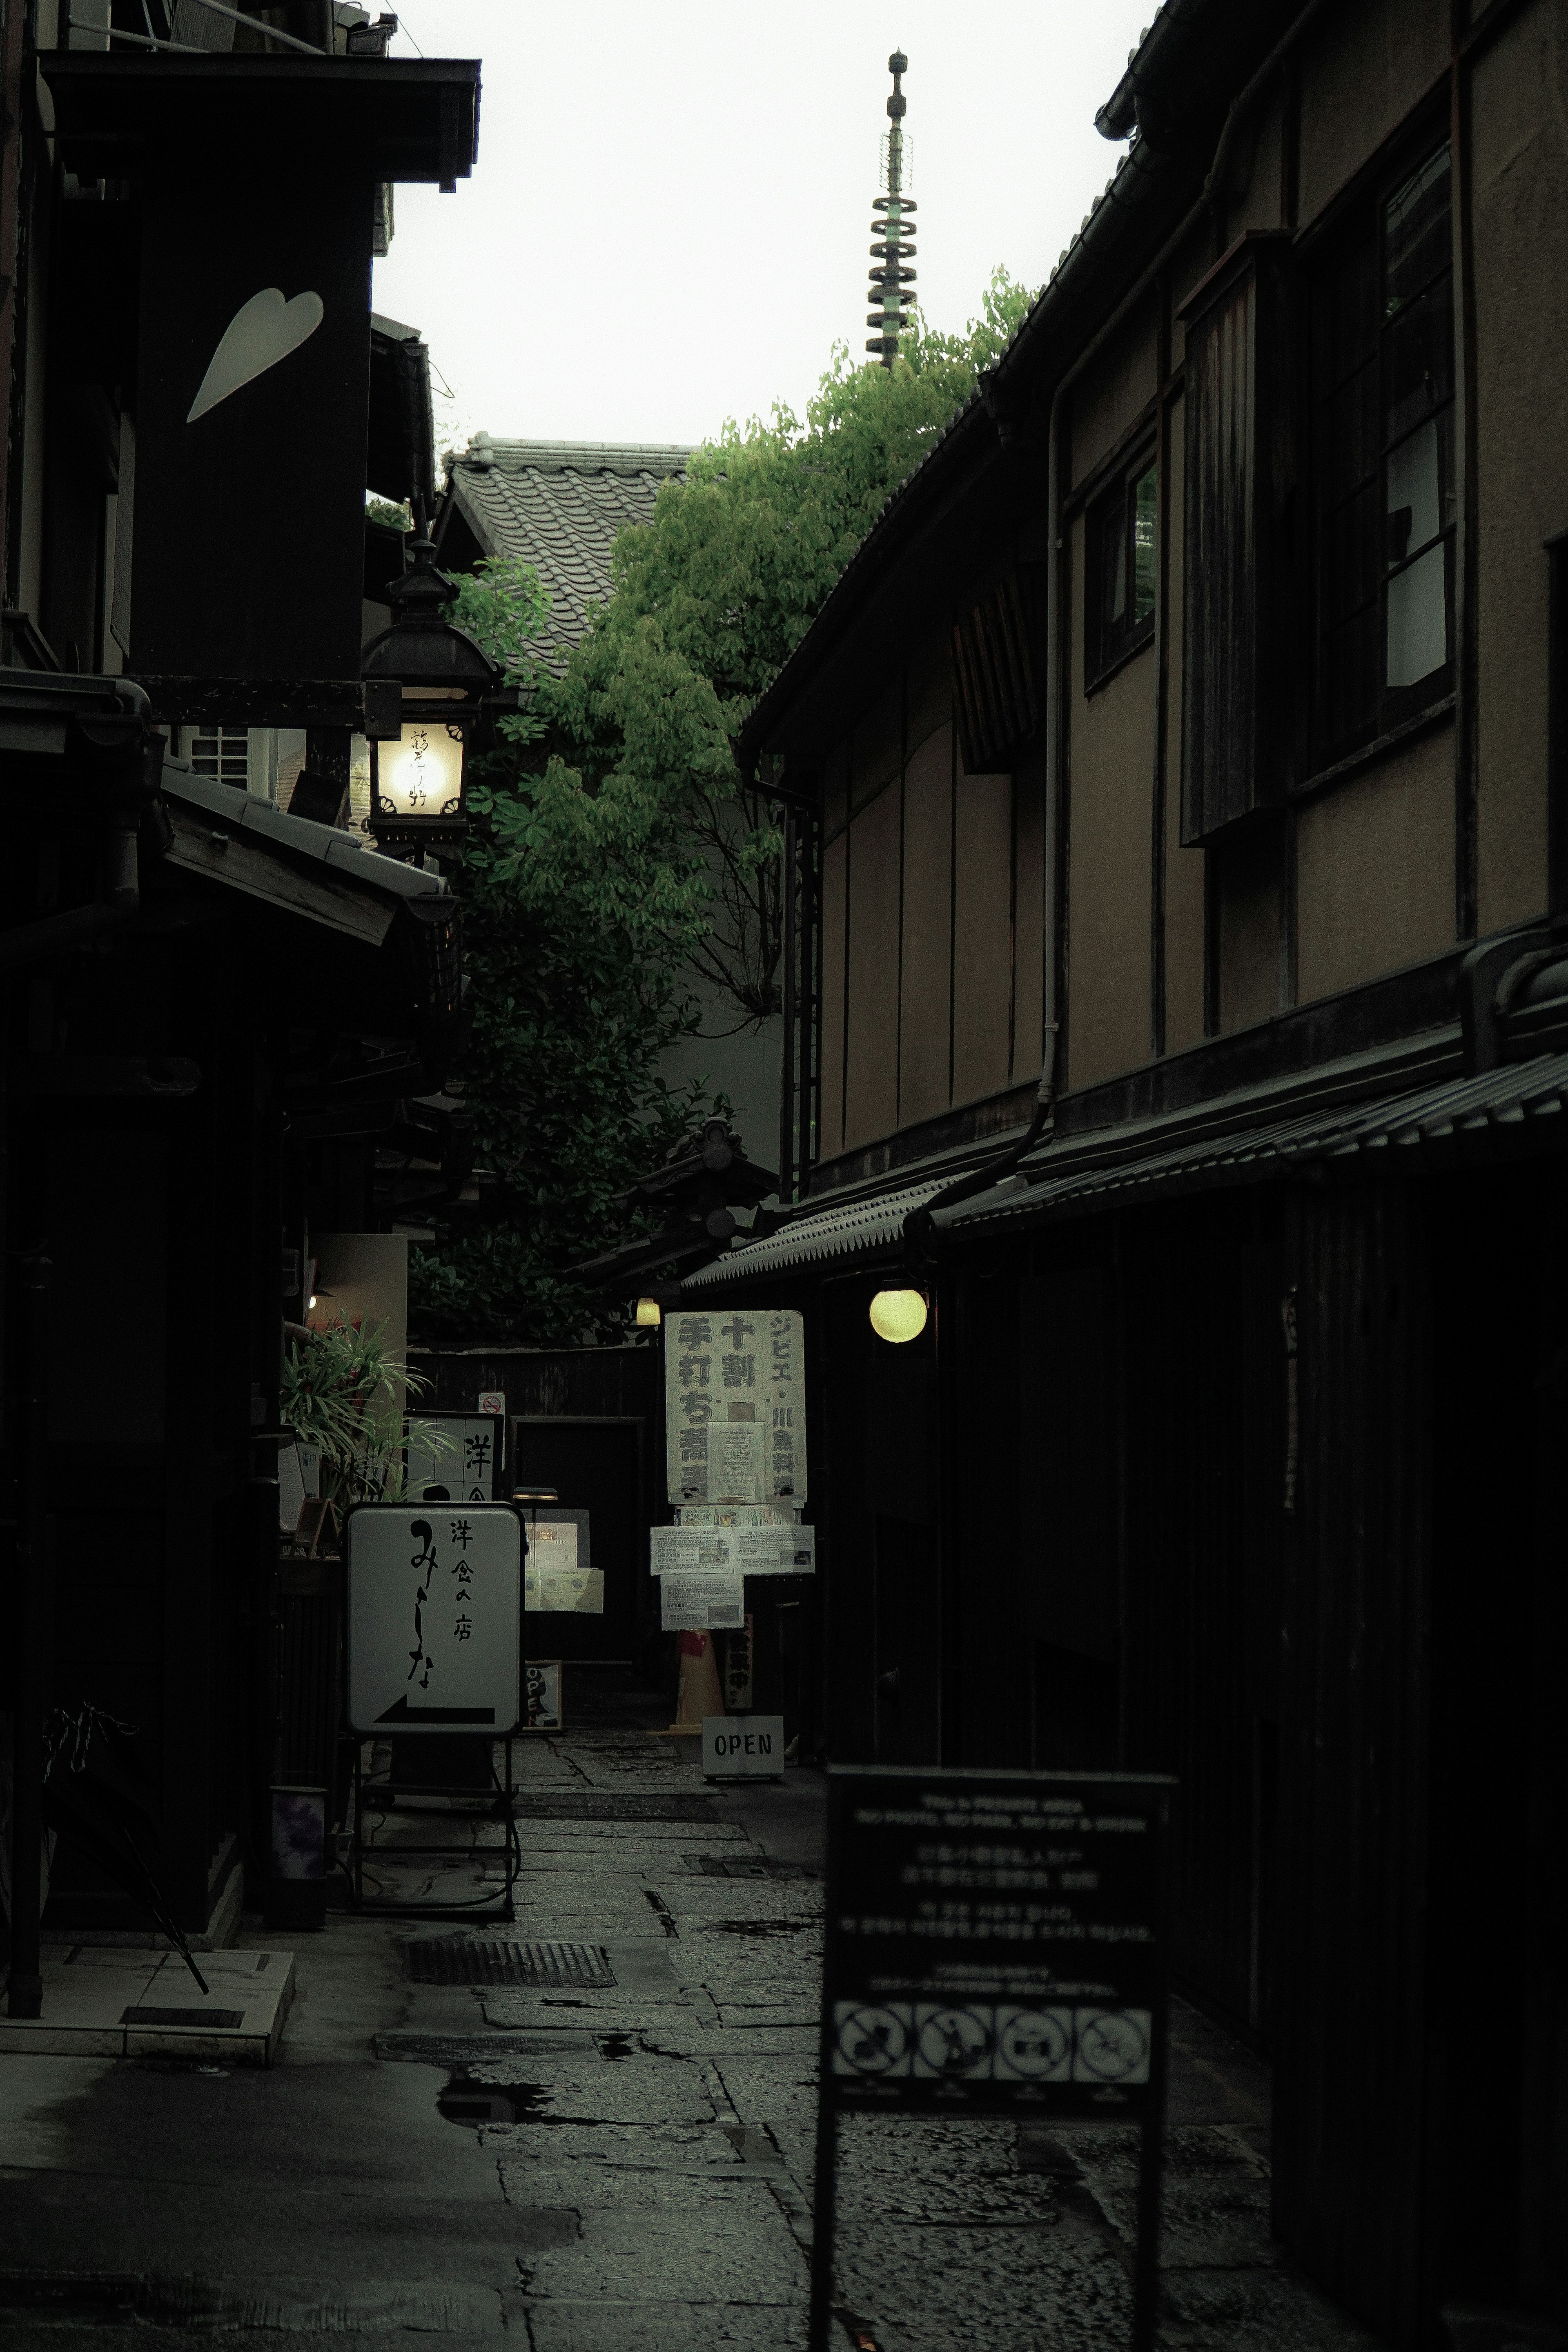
(261, 333)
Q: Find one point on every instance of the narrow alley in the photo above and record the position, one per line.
(603, 2141)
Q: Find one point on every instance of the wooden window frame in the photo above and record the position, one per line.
(995, 700)
(1239, 599)
(1111, 639)
(1357, 239)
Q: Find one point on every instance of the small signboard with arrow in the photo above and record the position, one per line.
(434, 1610)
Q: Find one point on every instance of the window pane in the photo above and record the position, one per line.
(1416, 504)
(1416, 234)
(1348, 680)
(1351, 564)
(1345, 317)
(1143, 547)
(1418, 619)
(1113, 561)
(1351, 435)
(1418, 359)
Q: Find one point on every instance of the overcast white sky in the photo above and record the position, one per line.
(668, 221)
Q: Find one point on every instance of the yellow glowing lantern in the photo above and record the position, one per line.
(898, 1315)
(648, 1314)
(421, 774)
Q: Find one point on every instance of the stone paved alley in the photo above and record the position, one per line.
(610, 2167)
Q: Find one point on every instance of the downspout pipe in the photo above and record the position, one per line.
(919, 1237)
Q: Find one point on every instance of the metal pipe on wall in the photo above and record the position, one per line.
(32, 1629)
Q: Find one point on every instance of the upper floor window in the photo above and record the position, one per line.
(1382, 398)
(223, 754)
(1121, 584)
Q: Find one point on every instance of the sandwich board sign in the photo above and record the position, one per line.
(435, 1596)
(996, 1945)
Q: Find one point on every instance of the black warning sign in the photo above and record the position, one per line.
(995, 1940)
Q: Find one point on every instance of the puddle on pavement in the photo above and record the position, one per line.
(466, 2102)
(490, 2103)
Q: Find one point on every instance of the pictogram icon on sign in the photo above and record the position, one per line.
(1035, 2044)
(870, 2040)
(1113, 2045)
(956, 2040)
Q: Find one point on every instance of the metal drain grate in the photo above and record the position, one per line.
(588, 1805)
(499, 1960)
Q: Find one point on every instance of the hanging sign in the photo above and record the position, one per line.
(254, 313)
(734, 1386)
(434, 1616)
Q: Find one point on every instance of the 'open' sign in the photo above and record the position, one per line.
(743, 1746)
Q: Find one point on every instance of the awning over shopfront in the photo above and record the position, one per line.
(229, 836)
(1522, 1103)
(1517, 1108)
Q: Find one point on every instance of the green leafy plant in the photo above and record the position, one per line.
(339, 1392)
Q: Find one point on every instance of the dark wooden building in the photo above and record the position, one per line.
(217, 1009)
(1181, 999)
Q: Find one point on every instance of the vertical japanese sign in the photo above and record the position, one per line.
(453, 1457)
(734, 1386)
(996, 1945)
(434, 1616)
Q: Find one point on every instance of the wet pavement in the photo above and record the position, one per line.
(616, 2156)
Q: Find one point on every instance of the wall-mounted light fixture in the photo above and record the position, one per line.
(898, 1315)
(648, 1316)
(424, 683)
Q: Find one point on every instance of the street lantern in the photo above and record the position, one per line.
(898, 1315)
(425, 682)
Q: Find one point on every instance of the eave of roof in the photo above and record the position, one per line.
(1176, 107)
(363, 869)
(399, 119)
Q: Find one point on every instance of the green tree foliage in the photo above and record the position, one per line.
(617, 850)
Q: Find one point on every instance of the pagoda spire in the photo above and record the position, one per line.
(894, 248)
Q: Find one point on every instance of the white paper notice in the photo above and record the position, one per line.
(688, 1550)
(776, 1551)
(700, 1603)
(735, 1460)
(736, 1515)
(572, 1587)
(721, 1369)
(553, 1544)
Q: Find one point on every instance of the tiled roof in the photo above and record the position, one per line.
(1410, 1129)
(559, 505)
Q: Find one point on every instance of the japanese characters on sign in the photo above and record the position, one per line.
(735, 1406)
(994, 1941)
(453, 1457)
(432, 1609)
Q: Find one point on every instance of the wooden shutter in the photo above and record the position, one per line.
(1236, 672)
(994, 678)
